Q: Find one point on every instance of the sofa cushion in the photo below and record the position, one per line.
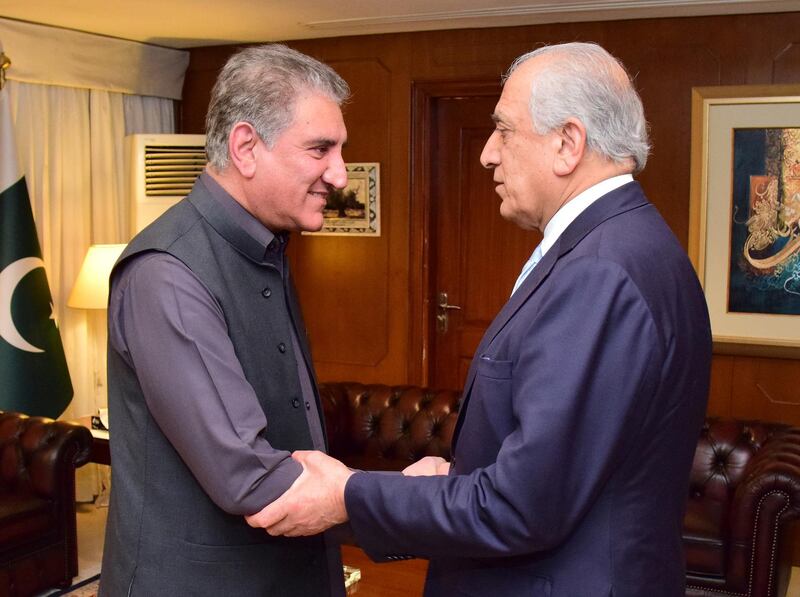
(23, 518)
(703, 539)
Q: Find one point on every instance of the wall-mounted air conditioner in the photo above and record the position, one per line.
(161, 172)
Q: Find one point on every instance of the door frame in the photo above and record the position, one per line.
(424, 93)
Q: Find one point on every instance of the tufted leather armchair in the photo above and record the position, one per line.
(744, 490)
(38, 541)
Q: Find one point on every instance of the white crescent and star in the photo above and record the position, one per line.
(10, 277)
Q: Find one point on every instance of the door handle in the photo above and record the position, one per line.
(443, 315)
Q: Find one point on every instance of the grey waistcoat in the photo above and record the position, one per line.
(164, 535)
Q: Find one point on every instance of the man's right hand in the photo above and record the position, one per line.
(427, 467)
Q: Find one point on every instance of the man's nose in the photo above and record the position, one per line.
(490, 156)
(336, 172)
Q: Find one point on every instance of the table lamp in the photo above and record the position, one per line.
(91, 287)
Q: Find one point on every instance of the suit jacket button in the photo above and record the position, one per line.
(281, 347)
(295, 402)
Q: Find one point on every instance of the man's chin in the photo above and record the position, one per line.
(312, 224)
(506, 211)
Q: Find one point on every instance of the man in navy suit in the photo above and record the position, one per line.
(585, 398)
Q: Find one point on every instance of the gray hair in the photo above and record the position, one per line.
(260, 85)
(586, 83)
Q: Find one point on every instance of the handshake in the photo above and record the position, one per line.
(315, 501)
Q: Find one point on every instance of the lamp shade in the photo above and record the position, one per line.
(91, 287)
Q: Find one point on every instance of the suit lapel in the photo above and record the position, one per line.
(625, 198)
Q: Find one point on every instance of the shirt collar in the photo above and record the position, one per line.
(573, 208)
(243, 218)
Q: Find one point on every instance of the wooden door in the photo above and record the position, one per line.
(474, 255)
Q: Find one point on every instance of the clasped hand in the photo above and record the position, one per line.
(427, 466)
(315, 501)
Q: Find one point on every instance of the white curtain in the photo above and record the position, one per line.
(70, 144)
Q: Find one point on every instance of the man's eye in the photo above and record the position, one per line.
(322, 150)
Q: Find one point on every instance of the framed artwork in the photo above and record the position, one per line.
(744, 219)
(355, 210)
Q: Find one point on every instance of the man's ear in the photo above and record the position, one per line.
(571, 147)
(242, 143)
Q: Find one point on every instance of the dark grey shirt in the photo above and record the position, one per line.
(200, 397)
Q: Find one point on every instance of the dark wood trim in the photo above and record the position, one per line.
(100, 453)
(423, 95)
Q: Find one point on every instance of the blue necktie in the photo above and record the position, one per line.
(528, 267)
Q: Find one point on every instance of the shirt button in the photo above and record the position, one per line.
(308, 406)
(295, 403)
(266, 293)
(281, 347)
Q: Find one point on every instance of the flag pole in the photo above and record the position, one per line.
(5, 62)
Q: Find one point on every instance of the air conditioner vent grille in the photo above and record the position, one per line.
(172, 169)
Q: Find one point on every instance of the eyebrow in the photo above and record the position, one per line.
(324, 142)
(321, 142)
(498, 118)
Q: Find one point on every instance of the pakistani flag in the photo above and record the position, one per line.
(33, 371)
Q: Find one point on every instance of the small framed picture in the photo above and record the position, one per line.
(355, 209)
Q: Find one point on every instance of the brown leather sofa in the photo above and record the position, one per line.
(377, 427)
(744, 490)
(38, 541)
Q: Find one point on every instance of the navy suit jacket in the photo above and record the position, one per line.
(578, 424)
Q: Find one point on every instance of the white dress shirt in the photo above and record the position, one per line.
(565, 216)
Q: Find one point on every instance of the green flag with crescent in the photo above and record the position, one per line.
(33, 369)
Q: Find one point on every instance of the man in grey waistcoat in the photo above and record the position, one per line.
(211, 384)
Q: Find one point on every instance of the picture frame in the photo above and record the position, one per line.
(354, 210)
(744, 215)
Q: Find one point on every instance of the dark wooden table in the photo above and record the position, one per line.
(393, 579)
(100, 451)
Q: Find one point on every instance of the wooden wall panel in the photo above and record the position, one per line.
(368, 276)
(369, 339)
(720, 400)
(682, 66)
(786, 64)
(342, 280)
(766, 389)
(204, 66)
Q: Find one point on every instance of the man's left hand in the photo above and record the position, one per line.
(314, 502)
(427, 466)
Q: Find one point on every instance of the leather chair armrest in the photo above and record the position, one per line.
(773, 471)
(37, 452)
(767, 497)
